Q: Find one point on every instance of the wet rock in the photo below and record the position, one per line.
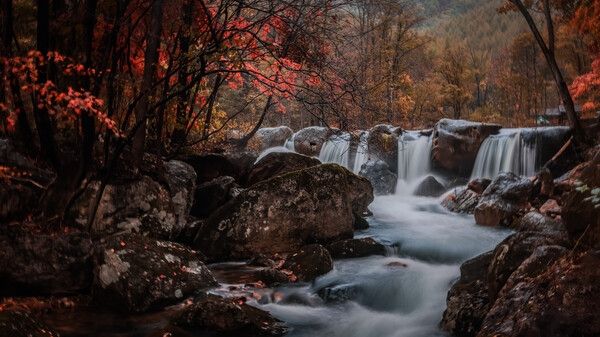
(381, 177)
(229, 316)
(536, 222)
(468, 299)
(211, 195)
(382, 143)
(310, 140)
(35, 263)
(479, 185)
(430, 187)
(581, 206)
(285, 213)
(360, 223)
(309, 262)
(272, 277)
(22, 324)
(355, 248)
(139, 204)
(511, 252)
(462, 200)
(456, 143)
(270, 137)
(278, 163)
(134, 273)
(339, 293)
(502, 200)
(557, 302)
(213, 165)
(551, 208)
(534, 265)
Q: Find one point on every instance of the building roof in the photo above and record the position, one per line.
(559, 111)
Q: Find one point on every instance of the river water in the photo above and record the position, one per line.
(402, 294)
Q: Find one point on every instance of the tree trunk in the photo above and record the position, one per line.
(150, 61)
(178, 136)
(548, 51)
(88, 127)
(42, 119)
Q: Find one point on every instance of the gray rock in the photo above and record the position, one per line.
(284, 213)
(309, 262)
(456, 143)
(353, 248)
(381, 177)
(134, 273)
(270, 137)
(503, 199)
(430, 187)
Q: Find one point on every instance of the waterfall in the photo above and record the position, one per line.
(505, 152)
(290, 143)
(414, 156)
(362, 152)
(336, 150)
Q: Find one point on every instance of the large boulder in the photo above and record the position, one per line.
(560, 301)
(309, 262)
(468, 300)
(429, 187)
(134, 273)
(284, 213)
(22, 324)
(36, 263)
(353, 248)
(266, 138)
(456, 143)
(310, 140)
(138, 204)
(536, 222)
(381, 177)
(581, 205)
(382, 143)
(211, 195)
(228, 316)
(503, 199)
(278, 163)
(511, 252)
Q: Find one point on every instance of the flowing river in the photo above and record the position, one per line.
(402, 294)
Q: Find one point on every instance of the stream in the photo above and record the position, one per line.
(402, 294)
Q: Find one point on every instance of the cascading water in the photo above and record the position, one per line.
(362, 152)
(290, 143)
(414, 158)
(336, 150)
(399, 295)
(506, 152)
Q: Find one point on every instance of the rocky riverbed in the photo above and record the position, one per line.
(228, 244)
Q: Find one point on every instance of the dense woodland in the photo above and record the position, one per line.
(182, 167)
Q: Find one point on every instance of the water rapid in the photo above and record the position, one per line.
(399, 295)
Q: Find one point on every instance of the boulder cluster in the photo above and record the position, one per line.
(155, 233)
(543, 279)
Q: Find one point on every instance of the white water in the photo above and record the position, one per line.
(275, 149)
(414, 159)
(290, 143)
(336, 150)
(384, 300)
(505, 152)
(362, 152)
